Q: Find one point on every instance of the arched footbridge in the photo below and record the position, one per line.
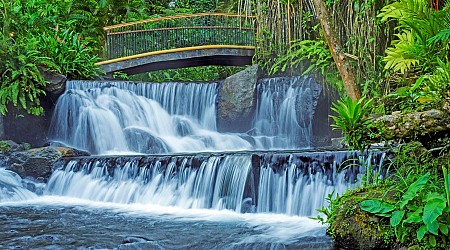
(179, 42)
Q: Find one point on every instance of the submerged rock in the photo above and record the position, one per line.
(142, 141)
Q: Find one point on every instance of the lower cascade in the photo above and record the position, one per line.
(292, 184)
(11, 187)
(189, 201)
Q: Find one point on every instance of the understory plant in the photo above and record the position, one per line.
(421, 211)
(68, 53)
(20, 81)
(428, 91)
(422, 35)
(418, 57)
(352, 120)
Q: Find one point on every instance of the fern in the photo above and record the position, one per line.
(404, 55)
(443, 36)
(316, 52)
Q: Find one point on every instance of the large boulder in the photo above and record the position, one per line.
(56, 83)
(353, 228)
(411, 125)
(237, 99)
(37, 162)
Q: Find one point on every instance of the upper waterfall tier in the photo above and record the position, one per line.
(130, 117)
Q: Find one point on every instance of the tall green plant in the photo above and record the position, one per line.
(68, 54)
(352, 120)
(20, 80)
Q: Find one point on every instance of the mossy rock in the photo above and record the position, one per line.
(353, 228)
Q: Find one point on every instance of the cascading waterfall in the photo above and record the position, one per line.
(126, 117)
(260, 198)
(285, 112)
(103, 118)
(294, 184)
(198, 101)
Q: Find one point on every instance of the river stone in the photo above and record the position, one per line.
(37, 162)
(237, 99)
(410, 125)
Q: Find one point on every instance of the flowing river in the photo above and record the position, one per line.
(163, 177)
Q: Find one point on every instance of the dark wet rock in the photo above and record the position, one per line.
(247, 206)
(56, 83)
(237, 98)
(143, 141)
(37, 162)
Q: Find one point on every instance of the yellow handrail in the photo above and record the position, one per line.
(153, 53)
(107, 28)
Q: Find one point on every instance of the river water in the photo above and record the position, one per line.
(164, 178)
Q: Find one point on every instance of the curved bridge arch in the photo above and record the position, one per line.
(180, 41)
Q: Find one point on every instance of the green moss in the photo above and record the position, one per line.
(353, 228)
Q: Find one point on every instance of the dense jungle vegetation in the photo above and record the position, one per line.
(399, 51)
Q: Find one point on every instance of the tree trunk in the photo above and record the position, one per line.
(336, 50)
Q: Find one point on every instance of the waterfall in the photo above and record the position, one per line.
(122, 118)
(11, 188)
(128, 117)
(293, 184)
(285, 112)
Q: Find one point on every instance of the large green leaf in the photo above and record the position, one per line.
(414, 217)
(433, 227)
(414, 189)
(421, 232)
(376, 207)
(432, 210)
(397, 217)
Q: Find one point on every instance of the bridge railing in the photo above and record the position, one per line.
(181, 31)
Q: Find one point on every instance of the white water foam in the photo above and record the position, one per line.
(11, 188)
(275, 228)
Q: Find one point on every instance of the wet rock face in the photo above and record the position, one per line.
(400, 125)
(38, 162)
(56, 83)
(357, 229)
(237, 99)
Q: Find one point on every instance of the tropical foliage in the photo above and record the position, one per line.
(66, 37)
(352, 120)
